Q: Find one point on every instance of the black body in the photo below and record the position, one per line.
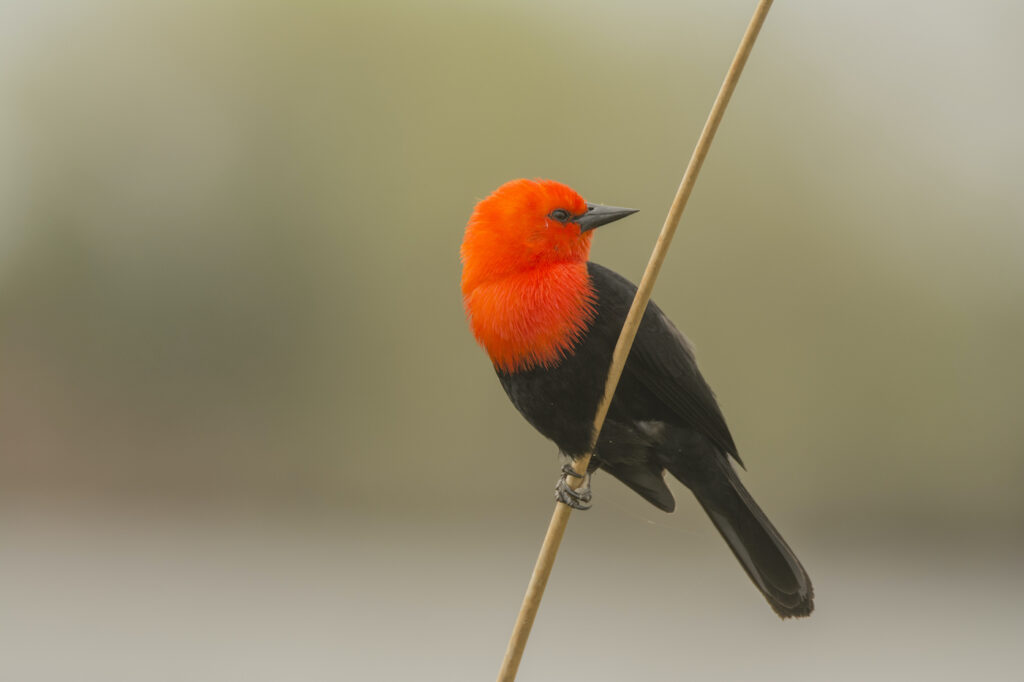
(663, 416)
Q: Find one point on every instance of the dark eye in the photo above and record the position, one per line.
(559, 214)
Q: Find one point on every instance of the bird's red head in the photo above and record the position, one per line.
(523, 224)
(524, 274)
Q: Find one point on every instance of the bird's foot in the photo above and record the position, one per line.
(577, 498)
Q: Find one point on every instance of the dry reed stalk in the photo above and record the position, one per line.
(560, 518)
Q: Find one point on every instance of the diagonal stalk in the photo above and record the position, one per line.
(560, 518)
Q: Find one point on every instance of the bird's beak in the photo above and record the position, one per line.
(598, 215)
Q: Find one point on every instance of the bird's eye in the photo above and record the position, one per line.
(559, 214)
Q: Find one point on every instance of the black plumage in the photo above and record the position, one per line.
(663, 417)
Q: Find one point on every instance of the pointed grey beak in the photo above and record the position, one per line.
(598, 215)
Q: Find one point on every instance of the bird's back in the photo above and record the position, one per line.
(660, 382)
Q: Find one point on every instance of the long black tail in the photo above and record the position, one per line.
(761, 551)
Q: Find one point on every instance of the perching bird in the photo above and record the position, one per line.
(549, 320)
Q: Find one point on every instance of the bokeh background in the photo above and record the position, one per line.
(246, 435)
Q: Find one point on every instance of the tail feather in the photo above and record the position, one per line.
(625, 453)
(760, 549)
(645, 480)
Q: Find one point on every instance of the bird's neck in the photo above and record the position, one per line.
(532, 317)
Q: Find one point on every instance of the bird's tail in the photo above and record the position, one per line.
(761, 551)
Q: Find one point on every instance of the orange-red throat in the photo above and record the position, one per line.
(524, 271)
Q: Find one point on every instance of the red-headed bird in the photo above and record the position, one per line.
(549, 320)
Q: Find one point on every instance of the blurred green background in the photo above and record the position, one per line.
(246, 434)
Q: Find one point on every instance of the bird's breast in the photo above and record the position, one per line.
(534, 317)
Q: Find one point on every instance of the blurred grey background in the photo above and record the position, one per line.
(245, 433)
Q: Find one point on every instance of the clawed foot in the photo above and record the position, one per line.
(578, 498)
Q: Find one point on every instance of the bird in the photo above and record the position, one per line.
(549, 319)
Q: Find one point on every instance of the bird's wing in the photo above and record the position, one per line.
(662, 360)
